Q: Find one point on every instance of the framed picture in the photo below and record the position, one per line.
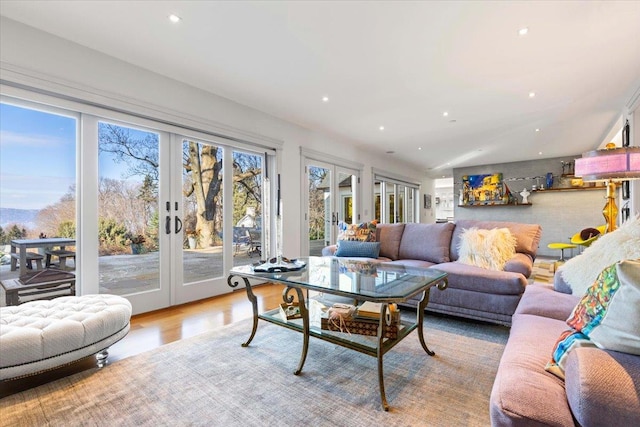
(487, 189)
(427, 201)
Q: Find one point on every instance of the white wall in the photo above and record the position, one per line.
(46, 62)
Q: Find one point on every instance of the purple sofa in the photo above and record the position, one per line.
(473, 292)
(601, 388)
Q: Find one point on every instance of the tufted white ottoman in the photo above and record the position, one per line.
(42, 335)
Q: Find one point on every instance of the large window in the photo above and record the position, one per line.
(395, 200)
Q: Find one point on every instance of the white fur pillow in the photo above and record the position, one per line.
(489, 249)
(624, 243)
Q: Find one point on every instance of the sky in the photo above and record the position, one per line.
(38, 157)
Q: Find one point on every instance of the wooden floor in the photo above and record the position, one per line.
(151, 330)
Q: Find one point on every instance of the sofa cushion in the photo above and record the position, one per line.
(427, 242)
(541, 300)
(354, 248)
(624, 243)
(608, 312)
(363, 232)
(389, 236)
(472, 278)
(603, 387)
(523, 392)
(527, 235)
(489, 249)
(520, 263)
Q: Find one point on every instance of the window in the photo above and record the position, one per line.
(395, 200)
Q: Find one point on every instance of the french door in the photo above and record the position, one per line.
(166, 207)
(330, 197)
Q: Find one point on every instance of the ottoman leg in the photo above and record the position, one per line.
(101, 358)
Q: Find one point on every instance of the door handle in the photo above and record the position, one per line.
(178, 225)
(167, 225)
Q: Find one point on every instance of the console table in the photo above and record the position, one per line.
(357, 280)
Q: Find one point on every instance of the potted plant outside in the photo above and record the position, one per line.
(136, 241)
(192, 238)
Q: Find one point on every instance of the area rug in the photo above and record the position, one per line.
(210, 380)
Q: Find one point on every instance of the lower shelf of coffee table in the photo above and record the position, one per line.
(366, 344)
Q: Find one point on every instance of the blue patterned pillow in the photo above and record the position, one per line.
(354, 248)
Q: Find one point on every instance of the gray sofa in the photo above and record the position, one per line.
(601, 387)
(473, 292)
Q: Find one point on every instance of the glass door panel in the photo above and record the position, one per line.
(37, 183)
(247, 207)
(202, 198)
(390, 203)
(329, 201)
(346, 191)
(128, 214)
(319, 209)
(400, 191)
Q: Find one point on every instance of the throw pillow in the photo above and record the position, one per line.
(624, 243)
(490, 249)
(351, 248)
(363, 232)
(569, 340)
(609, 311)
(588, 233)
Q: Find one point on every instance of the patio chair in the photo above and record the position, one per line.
(255, 244)
(241, 238)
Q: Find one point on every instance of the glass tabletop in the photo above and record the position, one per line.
(353, 278)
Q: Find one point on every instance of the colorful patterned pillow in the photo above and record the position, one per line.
(355, 248)
(607, 316)
(568, 340)
(609, 312)
(363, 232)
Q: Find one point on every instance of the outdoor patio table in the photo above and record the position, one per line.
(20, 246)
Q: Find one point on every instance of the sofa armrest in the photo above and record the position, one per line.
(603, 387)
(329, 250)
(520, 263)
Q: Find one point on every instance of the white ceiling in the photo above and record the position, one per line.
(394, 64)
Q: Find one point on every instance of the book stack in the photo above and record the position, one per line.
(364, 322)
(371, 310)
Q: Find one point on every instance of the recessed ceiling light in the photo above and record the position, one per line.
(532, 94)
(174, 18)
(523, 31)
(452, 121)
(381, 128)
(419, 148)
(537, 129)
(325, 99)
(540, 153)
(445, 114)
(390, 152)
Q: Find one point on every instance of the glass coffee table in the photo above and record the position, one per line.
(329, 277)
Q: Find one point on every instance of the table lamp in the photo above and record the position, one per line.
(611, 164)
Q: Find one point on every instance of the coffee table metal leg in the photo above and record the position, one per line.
(304, 312)
(380, 354)
(254, 303)
(420, 319)
(420, 315)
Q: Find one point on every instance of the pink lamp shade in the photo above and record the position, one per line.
(621, 163)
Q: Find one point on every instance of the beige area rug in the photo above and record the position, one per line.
(210, 380)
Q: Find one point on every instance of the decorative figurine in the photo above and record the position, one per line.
(524, 193)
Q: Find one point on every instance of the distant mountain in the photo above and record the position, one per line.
(23, 217)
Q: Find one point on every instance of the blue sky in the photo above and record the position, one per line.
(38, 157)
